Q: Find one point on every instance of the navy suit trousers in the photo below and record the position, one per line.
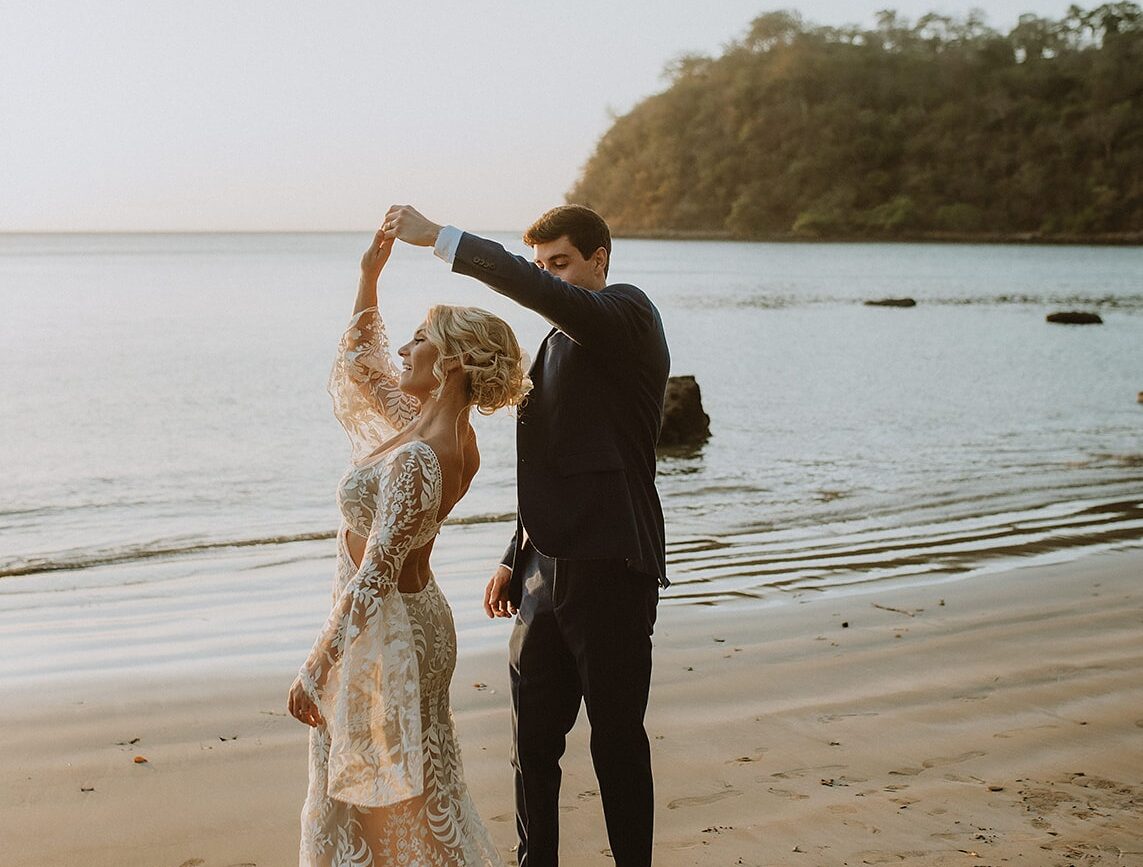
(582, 633)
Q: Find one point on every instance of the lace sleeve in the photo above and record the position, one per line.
(362, 670)
(363, 385)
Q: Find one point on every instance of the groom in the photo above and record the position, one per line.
(583, 570)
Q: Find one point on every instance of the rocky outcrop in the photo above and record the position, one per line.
(891, 302)
(684, 422)
(1075, 317)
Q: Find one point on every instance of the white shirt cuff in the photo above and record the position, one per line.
(448, 239)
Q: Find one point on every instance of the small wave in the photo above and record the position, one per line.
(149, 551)
(761, 301)
(492, 518)
(749, 563)
(1131, 461)
(767, 301)
(1112, 302)
(25, 512)
(131, 553)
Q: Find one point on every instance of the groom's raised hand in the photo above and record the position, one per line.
(406, 223)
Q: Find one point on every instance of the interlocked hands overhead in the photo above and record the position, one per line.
(406, 223)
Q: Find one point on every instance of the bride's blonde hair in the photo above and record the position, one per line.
(495, 368)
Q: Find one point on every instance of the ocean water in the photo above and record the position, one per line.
(163, 397)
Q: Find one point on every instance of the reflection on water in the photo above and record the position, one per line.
(754, 565)
(141, 423)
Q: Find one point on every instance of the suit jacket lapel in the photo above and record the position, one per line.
(538, 361)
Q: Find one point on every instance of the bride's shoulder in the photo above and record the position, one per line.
(454, 459)
(418, 451)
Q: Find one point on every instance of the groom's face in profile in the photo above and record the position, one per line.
(562, 259)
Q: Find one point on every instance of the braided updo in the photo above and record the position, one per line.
(495, 369)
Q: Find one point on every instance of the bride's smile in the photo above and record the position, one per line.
(418, 359)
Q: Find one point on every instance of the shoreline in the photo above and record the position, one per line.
(1109, 239)
(995, 715)
(1113, 239)
(1115, 505)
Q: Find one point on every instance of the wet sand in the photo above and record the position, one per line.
(988, 720)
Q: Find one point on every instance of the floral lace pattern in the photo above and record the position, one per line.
(386, 783)
(363, 385)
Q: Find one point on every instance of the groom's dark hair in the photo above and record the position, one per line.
(586, 230)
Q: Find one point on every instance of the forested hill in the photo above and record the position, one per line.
(939, 128)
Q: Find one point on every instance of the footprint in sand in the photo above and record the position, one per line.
(193, 862)
(588, 795)
(834, 717)
(787, 794)
(952, 760)
(701, 800)
(743, 760)
(1011, 733)
(842, 809)
(906, 772)
(887, 857)
(679, 845)
(795, 773)
(958, 778)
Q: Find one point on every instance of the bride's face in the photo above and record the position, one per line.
(417, 359)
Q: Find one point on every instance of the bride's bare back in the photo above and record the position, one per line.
(458, 465)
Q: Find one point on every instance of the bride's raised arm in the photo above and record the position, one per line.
(363, 384)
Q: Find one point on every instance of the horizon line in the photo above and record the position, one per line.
(4, 232)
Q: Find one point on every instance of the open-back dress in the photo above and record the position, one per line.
(386, 786)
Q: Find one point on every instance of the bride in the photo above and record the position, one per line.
(385, 778)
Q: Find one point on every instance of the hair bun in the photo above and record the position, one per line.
(490, 355)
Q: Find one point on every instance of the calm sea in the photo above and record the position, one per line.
(164, 396)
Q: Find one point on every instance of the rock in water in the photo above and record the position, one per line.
(1075, 317)
(891, 302)
(684, 422)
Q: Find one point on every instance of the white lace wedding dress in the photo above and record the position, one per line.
(386, 785)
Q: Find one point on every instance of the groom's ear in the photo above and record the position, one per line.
(600, 260)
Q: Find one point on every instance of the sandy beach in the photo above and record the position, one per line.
(994, 719)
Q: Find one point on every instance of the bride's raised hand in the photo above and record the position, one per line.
(377, 255)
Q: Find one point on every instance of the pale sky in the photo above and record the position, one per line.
(151, 115)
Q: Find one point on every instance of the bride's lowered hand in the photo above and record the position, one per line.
(302, 707)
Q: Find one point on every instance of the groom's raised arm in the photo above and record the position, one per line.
(614, 317)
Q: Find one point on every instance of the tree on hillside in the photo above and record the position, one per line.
(905, 128)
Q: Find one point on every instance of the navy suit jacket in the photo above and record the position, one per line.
(586, 435)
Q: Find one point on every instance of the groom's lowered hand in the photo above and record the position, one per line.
(406, 223)
(496, 602)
